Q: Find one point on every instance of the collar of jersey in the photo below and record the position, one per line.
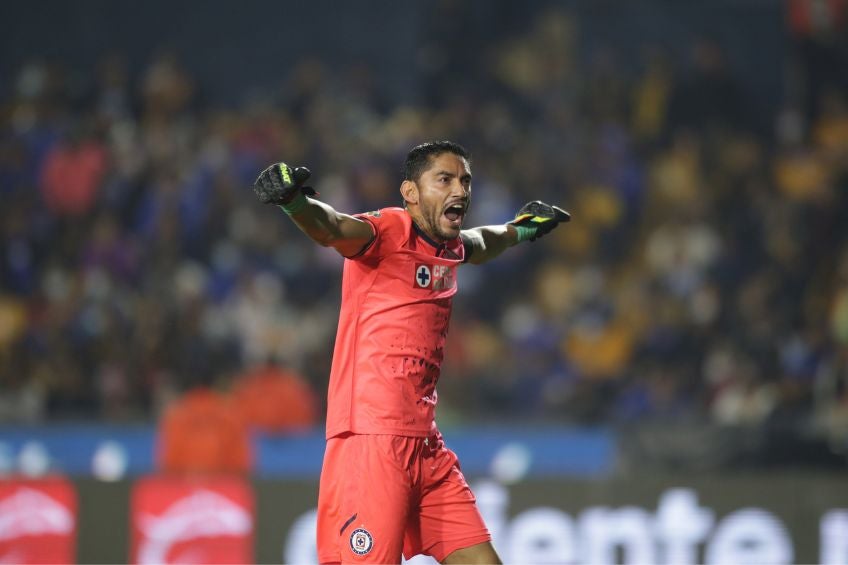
(439, 247)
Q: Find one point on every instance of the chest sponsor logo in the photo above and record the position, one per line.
(434, 277)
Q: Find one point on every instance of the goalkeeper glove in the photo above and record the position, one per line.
(280, 184)
(536, 218)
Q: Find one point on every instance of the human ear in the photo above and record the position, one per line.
(409, 191)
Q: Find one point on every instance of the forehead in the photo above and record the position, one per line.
(450, 162)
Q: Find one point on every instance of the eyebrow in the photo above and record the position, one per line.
(466, 176)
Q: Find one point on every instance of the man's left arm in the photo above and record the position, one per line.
(487, 242)
(534, 220)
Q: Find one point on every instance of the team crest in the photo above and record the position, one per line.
(361, 541)
(434, 277)
(423, 276)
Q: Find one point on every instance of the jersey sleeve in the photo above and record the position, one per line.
(468, 246)
(389, 232)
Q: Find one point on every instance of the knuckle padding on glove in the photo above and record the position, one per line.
(541, 216)
(276, 186)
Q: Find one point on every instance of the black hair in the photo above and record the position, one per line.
(418, 159)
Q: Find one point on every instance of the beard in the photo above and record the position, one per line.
(435, 228)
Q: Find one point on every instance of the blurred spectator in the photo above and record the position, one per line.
(818, 30)
(203, 432)
(72, 175)
(274, 400)
(710, 96)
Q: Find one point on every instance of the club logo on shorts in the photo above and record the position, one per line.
(361, 541)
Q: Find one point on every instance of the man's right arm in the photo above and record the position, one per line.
(281, 185)
(327, 227)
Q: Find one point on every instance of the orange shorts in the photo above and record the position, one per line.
(383, 495)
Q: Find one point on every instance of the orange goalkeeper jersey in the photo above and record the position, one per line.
(396, 305)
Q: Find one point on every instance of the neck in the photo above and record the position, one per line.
(418, 224)
(421, 228)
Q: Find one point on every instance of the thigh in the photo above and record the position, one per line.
(447, 519)
(364, 500)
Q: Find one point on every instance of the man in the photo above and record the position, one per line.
(389, 485)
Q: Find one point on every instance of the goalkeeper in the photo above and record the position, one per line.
(389, 485)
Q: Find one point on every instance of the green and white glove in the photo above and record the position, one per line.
(536, 218)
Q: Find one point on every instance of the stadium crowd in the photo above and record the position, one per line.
(704, 275)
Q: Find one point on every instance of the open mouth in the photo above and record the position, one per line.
(455, 212)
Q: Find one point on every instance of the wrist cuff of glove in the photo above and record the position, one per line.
(525, 232)
(296, 204)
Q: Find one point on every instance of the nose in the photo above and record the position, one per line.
(459, 189)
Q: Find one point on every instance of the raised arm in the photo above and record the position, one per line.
(487, 242)
(281, 185)
(534, 220)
